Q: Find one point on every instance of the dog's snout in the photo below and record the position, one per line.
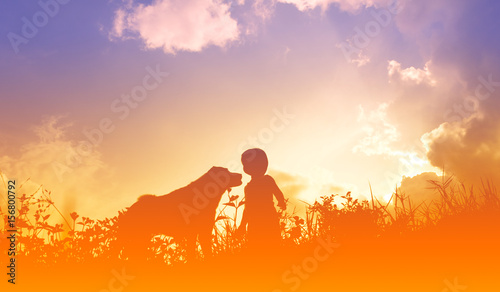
(236, 179)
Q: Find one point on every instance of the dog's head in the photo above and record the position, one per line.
(224, 178)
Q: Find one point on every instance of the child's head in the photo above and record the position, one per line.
(254, 162)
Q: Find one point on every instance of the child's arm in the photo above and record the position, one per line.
(243, 224)
(244, 219)
(278, 194)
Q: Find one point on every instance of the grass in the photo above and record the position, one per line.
(462, 224)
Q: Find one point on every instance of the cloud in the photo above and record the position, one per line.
(411, 74)
(469, 149)
(175, 25)
(299, 188)
(264, 9)
(461, 110)
(193, 25)
(419, 189)
(291, 185)
(382, 138)
(353, 54)
(253, 15)
(450, 102)
(37, 164)
(360, 60)
(346, 5)
(379, 132)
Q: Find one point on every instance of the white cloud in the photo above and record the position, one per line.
(411, 74)
(175, 25)
(264, 9)
(193, 25)
(383, 138)
(360, 60)
(348, 5)
(252, 17)
(379, 132)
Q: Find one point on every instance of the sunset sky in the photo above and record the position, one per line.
(102, 101)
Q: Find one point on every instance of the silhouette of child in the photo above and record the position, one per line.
(260, 214)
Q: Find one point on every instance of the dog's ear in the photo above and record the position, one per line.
(218, 168)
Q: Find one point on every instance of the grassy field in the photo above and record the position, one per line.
(341, 244)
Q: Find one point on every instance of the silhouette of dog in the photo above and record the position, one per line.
(188, 212)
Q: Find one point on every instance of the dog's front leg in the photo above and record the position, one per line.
(191, 247)
(206, 243)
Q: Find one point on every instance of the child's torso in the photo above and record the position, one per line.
(259, 195)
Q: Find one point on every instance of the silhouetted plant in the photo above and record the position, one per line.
(47, 236)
